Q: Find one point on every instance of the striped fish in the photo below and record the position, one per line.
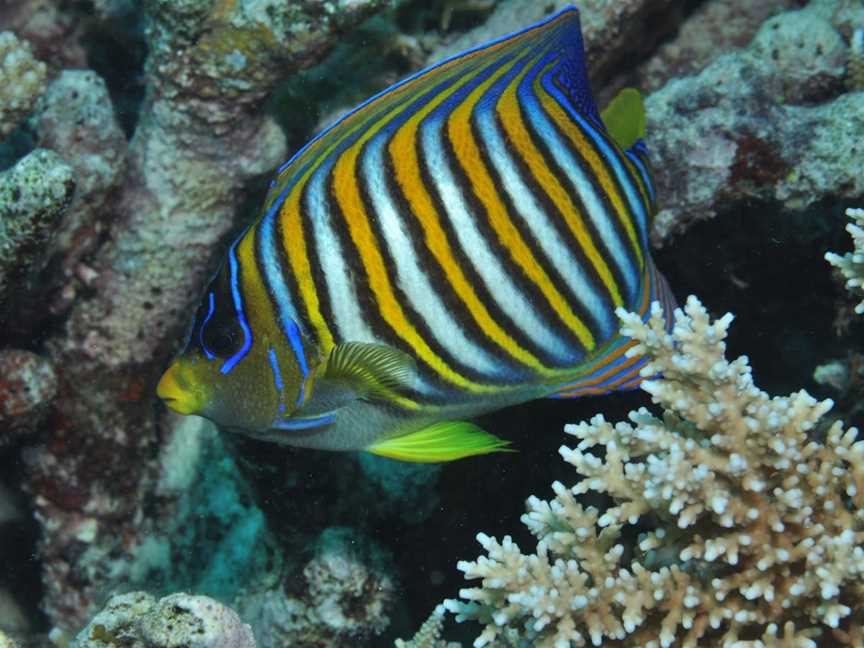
(456, 244)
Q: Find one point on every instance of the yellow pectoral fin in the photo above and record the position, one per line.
(443, 441)
(624, 118)
(372, 370)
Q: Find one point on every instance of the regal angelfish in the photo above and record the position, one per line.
(456, 244)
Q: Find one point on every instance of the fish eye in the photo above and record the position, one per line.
(219, 332)
(221, 340)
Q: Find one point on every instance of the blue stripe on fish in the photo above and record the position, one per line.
(211, 308)
(274, 367)
(296, 341)
(595, 208)
(231, 362)
(611, 156)
(296, 424)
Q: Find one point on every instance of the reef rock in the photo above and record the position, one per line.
(342, 596)
(22, 81)
(202, 136)
(769, 122)
(33, 195)
(76, 116)
(175, 621)
(27, 384)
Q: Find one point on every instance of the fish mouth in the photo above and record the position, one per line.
(176, 397)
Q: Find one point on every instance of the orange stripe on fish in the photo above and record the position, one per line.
(467, 153)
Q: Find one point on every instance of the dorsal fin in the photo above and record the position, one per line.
(559, 34)
(574, 70)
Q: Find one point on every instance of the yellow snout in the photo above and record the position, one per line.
(173, 388)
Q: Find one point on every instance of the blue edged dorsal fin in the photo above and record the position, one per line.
(574, 70)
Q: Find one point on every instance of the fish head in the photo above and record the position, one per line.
(233, 369)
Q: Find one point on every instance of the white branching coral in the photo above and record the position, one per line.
(756, 515)
(851, 264)
(429, 634)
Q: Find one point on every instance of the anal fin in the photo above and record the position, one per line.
(442, 441)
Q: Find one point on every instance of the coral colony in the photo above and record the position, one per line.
(757, 526)
(136, 143)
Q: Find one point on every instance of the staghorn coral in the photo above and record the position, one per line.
(851, 264)
(22, 81)
(758, 517)
(429, 634)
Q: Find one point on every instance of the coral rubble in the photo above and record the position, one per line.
(137, 618)
(752, 513)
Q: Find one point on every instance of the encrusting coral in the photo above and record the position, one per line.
(75, 117)
(22, 81)
(136, 618)
(748, 110)
(341, 596)
(6, 641)
(851, 264)
(33, 197)
(756, 516)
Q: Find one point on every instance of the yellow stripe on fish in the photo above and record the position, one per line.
(408, 174)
